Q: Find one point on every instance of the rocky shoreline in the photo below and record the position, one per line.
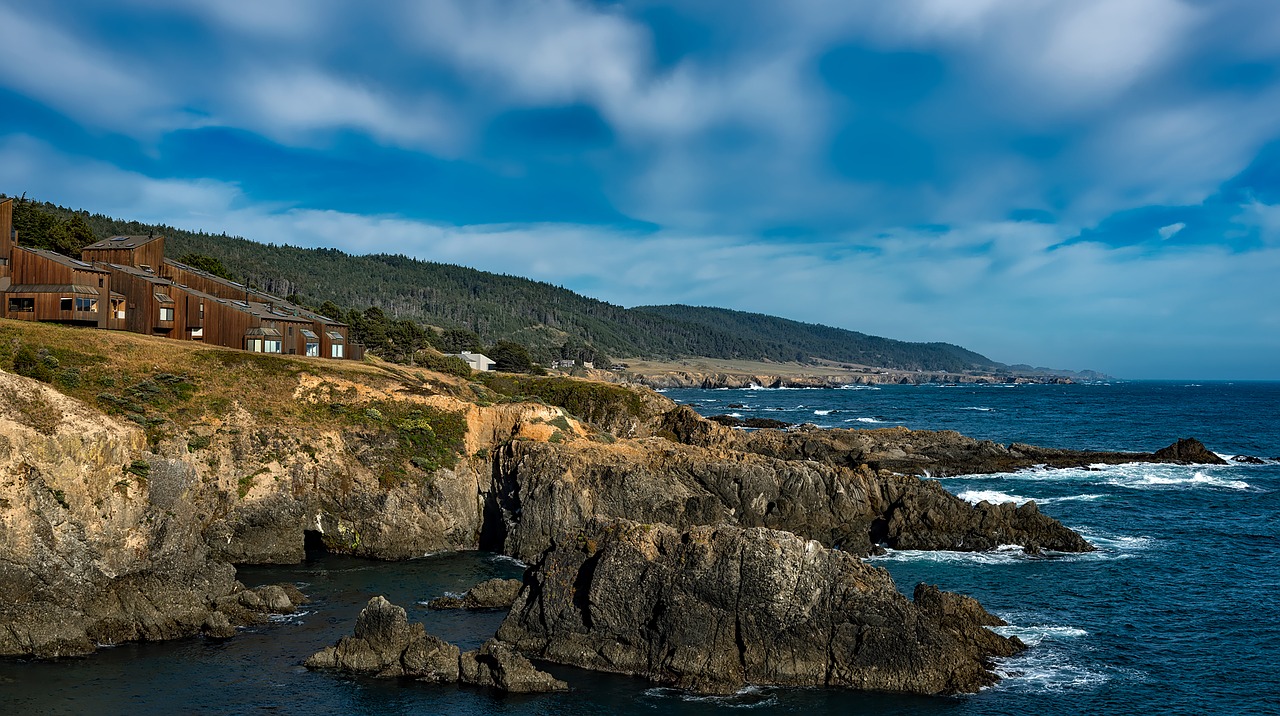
(716, 380)
(114, 533)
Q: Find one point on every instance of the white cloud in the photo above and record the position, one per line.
(96, 87)
(1168, 232)
(998, 288)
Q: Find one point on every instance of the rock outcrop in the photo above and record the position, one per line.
(935, 453)
(715, 608)
(540, 491)
(385, 644)
(490, 594)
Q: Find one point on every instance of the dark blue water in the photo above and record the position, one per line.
(1179, 612)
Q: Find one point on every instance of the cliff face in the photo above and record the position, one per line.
(540, 491)
(715, 608)
(123, 525)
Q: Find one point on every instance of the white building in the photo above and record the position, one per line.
(477, 361)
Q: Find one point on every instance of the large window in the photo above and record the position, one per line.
(22, 305)
(272, 345)
(335, 350)
(87, 304)
(313, 349)
(166, 313)
(117, 308)
(253, 344)
(66, 304)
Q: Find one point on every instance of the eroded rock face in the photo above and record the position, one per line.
(541, 491)
(385, 644)
(715, 608)
(490, 594)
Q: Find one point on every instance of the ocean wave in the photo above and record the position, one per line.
(823, 412)
(978, 408)
(1134, 476)
(863, 420)
(992, 496)
(748, 697)
(1004, 554)
(294, 618)
(1047, 671)
(504, 559)
(1150, 479)
(996, 497)
(856, 386)
(1033, 635)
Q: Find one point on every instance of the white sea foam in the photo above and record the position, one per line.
(1047, 671)
(863, 420)
(502, 558)
(1004, 554)
(1165, 479)
(294, 618)
(1134, 476)
(992, 496)
(855, 386)
(748, 697)
(978, 408)
(822, 412)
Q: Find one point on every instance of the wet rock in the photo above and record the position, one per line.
(385, 644)
(218, 626)
(715, 608)
(1188, 451)
(499, 666)
(491, 594)
(1248, 460)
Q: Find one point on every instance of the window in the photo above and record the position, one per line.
(202, 310)
(291, 330)
(67, 304)
(22, 305)
(117, 308)
(100, 282)
(253, 344)
(166, 313)
(197, 333)
(272, 345)
(335, 350)
(313, 349)
(87, 304)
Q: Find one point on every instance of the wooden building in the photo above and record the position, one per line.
(125, 283)
(7, 239)
(47, 286)
(143, 252)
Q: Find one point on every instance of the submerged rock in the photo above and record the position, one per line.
(385, 644)
(715, 608)
(491, 594)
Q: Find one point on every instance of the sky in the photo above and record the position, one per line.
(1082, 184)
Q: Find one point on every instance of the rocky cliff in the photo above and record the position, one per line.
(135, 472)
(715, 608)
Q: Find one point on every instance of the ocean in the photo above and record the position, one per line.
(1178, 611)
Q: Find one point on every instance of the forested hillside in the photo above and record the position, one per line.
(538, 315)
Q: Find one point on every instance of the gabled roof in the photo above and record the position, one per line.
(58, 258)
(139, 273)
(123, 242)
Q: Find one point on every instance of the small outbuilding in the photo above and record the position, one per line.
(477, 361)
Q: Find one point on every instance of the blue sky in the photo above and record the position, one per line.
(1083, 184)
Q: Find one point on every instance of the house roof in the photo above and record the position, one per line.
(123, 242)
(282, 308)
(58, 258)
(53, 288)
(139, 273)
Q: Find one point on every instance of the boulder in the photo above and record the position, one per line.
(499, 666)
(491, 594)
(1188, 451)
(713, 609)
(385, 644)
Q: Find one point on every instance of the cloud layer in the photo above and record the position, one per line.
(1086, 184)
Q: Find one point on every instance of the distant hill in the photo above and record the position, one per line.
(539, 315)
(786, 337)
